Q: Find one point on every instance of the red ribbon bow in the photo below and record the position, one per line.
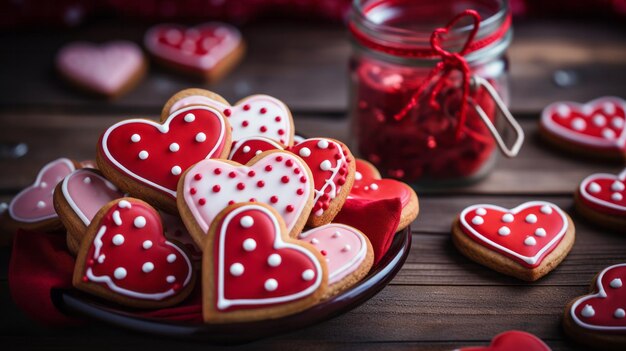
(449, 62)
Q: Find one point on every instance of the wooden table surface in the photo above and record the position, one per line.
(440, 300)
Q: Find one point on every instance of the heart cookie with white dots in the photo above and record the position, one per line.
(146, 159)
(601, 198)
(125, 258)
(253, 116)
(277, 178)
(525, 235)
(600, 317)
(348, 254)
(33, 208)
(597, 127)
(330, 162)
(253, 270)
(210, 49)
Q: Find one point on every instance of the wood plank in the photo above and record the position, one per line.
(280, 63)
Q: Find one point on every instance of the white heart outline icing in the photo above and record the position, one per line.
(163, 128)
(222, 302)
(549, 124)
(600, 294)
(530, 260)
(70, 199)
(583, 189)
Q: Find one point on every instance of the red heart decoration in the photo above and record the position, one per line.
(254, 267)
(327, 159)
(605, 192)
(526, 233)
(34, 203)
(369, 186)
(129, 256)
(599, 124)
(157, 154)
(254, 116)
(604, 310)
(512, 340)
(201, 47)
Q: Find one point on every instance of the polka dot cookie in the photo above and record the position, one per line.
(601, 198)
(253, 270)
(124, 257)
(598, 320)
(526, 242)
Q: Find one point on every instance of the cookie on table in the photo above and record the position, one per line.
(78, 198)
(125, 258)
(526, 242)
(369, 185)
(598, 320)
(175, 229)
(109, 69)
(253, 270)
(348, 254)
(330, 162)
(511, 340)
(253, 116)
(33, 208)
(208, 51)
(145, 159)
(277, 178)
(596, 129)
(601, 198)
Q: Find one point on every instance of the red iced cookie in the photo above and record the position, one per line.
(512, 340)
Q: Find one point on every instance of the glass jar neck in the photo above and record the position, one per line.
(401, 29)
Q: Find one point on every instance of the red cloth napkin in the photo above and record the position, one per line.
(40, 262)
(377, 219)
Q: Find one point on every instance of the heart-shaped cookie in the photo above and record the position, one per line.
(79, 197)
(253, 116)
(348, 254)
(209, 49)
(277, 178)
(124, 257)
(597, 127)
(146, 159)
(253, 270)
(369, 186)
(512, 340)
(175, 229)
(330, 162)
(599, 319)
(601, 198)
(108, 69)
(33, 208)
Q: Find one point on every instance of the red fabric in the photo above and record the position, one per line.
(377, 219)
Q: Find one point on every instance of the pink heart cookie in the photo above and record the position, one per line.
(598, 126)
(208, 49)
(33, 207)
(277, 178)
(107, 69)
(512, 340)
(254, 270)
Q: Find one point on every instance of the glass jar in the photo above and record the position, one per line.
(406, 120)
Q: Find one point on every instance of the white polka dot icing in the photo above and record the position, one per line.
(305, 152)
(616, 283)
(135, 138)
(249, 244)
(237, 269)
(588, 311)
(174, 147)
(147, 267)
(478, 220)
(247, 221)
(504, 231)
(119, 273)
(139, 222)
(143, 155)
(118, 239)
(530, 241)
(619, 313)
(271, 285)
(274, 260)
(508, 218)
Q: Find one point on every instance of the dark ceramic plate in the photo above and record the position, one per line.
(76, 302)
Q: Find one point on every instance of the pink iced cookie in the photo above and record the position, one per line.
(108, 69)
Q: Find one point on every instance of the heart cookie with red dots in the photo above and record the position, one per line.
(109, 69)
(146, 159)
(369, 186)
(78, 198)
(599, 319)
(597, 128)
(253, 270)
(510, 341)
(348, 254)
(277, 178)
(526, 242)
(601, 198)
(33, 208)
(253, 116)
(209, 50)
(125, 258)
(331, 164)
